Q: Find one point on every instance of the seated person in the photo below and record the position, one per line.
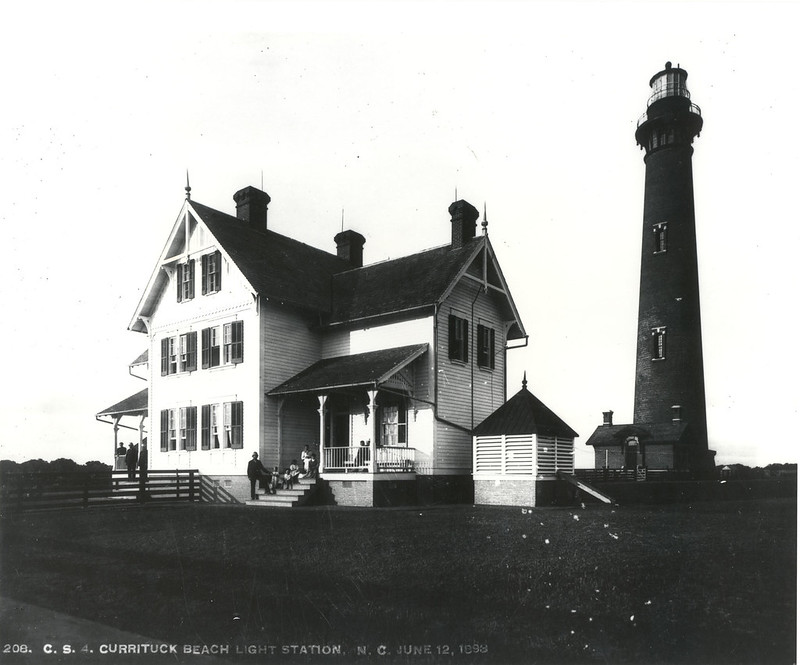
(295, 471)
(288, 481)
(275, 480)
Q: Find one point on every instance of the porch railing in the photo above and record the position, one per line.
(389, 459)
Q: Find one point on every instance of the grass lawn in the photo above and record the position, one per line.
(703, 583)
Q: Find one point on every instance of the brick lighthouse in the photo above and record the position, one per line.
(669, 415)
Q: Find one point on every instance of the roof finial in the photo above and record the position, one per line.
(525, 380)
(455, 198)
(342, 219)
(485, 222)
(187, 188)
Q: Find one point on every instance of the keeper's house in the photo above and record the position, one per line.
(519, 451)
(258, 342)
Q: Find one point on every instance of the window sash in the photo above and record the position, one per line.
(459, 338)
(485, 347)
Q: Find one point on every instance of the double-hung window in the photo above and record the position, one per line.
(188, 352)
(188, 427)
(485, 347)
(185, 280)
(394, 424)
(211, 265)
(222, 345)
(179, 353)
(233, 424)
(458, 343)
(233, 342)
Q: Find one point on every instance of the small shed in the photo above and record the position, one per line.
(518, 452)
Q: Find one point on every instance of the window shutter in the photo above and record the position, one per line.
(205, 427)
(190, 268)
(237, 341)
(236, 425)
(204, 272)
(481, 346)
(164, 429)
(491, 347)
(165, 356)
(218, 266)
(191, 351)
(205, 341)
(452, 322)
(191, 428)
(179, 281)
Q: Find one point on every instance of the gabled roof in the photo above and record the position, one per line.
(362, 369)
(614, 435)
(399, 284)
(276, 266)
(524, 413)
(134, 405)
(288, 271)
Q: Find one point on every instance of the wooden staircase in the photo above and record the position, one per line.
(297, 496)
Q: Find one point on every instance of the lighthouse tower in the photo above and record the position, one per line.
(669, 415)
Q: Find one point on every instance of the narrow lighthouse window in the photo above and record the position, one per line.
(660, 238)
(659, 343)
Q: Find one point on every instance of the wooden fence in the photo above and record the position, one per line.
(32, 491)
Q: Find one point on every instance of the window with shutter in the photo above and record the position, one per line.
(190, 439)
(211, 268)
(233, 342)
(188, 352)
(165, 356)
(205, 427)
(485, 347)
(459, 338)
(164, 430)
(233, 425)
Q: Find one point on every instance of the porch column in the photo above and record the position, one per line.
(322, 400)
(373, 443)
(116, 440)
(141, 429)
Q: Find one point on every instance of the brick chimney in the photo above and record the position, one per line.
(608, 418)
(350, 247)
(463, 217)
(251, 207)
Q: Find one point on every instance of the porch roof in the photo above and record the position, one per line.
(362, 369)
(135, 405)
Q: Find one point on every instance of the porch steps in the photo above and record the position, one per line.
(297, 496)
(580, 484)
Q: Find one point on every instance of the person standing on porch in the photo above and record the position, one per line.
(305, 457)
(131, 458)
(255, 471)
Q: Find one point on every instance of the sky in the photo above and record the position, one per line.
(380, 112)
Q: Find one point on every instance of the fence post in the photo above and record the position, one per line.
(177, 484)
(191, 485)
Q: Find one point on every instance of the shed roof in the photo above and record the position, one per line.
(134, 405)
(362, 369)
(524, 413)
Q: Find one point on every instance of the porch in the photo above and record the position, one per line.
(388, 459)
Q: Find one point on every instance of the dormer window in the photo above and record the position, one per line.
(185, 280)
(659, 238)
(212, 272)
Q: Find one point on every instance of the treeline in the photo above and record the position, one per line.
(742, 471)
(60, 465)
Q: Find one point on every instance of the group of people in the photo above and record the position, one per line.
(134, 458)
(274, 480)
